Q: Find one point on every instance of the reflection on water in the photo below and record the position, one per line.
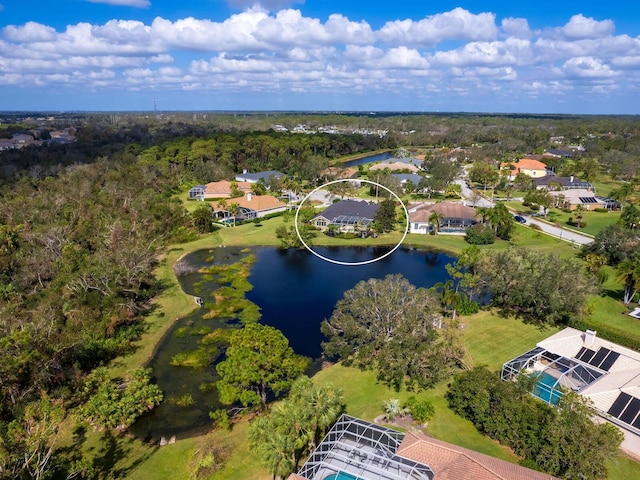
(295, 291)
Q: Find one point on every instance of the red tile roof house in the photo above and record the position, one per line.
(249, 206)
(528, 166)
(221, 189)
(356, 449)
(455, 217)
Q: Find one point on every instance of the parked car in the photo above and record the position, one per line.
(520, 219)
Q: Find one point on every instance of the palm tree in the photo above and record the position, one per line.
(392, 409)
(579, 210)
(450, 298)
(436, 219)
(629, 273)
(233, 210)
(483, 212)
(222, 206)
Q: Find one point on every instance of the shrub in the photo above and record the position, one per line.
(422, 411)
(479, 234)
(468, 307)
(601, 210)
(535, 226)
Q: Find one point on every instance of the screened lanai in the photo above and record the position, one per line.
(555, 372)
(355, 449)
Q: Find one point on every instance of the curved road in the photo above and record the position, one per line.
(476, 200)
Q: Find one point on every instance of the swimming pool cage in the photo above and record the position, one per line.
(362, 450)
(556, 373)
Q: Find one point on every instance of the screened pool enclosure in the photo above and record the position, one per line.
(355, 449)
(555, 373)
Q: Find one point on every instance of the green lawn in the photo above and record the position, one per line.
(490, 339)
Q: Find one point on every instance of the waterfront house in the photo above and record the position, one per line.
(346, 215)
(454, 217)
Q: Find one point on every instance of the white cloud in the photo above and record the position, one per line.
(29, 32)
(510, 52)
(588, 67)
(287, 51)
(125, 3)
(458, 24)
(516, 27)
(580, 26)
(271, 5)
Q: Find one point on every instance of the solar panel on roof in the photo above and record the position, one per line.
(631, 411)
(599, 357)
(637, 422)
(608, 362)
(619, 404)
(588, 199)
(586, 355)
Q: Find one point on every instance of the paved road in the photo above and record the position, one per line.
(474, 200)
(560, 233)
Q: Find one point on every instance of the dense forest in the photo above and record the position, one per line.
(82, 226)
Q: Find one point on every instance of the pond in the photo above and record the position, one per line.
(378, 157)
(295, 291)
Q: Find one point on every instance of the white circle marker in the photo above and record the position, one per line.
(352, 264)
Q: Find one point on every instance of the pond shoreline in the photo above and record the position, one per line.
(174, 303)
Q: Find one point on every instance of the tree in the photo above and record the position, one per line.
(391, 326)
(629, 273)
(294, 426)
(451, 298)
(484, 174)
(480, 234)
(234, 208)
(27, 445)
(539, 286)
(117, 404)
(502, 221)
(562, 441)
(614, 242)
(630, 217)
(385, 217)
(435, 219)
(259, 363)
(201, 218)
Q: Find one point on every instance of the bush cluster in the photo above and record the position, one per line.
(562, 441)
(480, 234)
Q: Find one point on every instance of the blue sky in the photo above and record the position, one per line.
(403, 55)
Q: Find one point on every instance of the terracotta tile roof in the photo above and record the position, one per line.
(339, 173)
(394, 166)
(525, 164)
(450, 462)
(259, 203)
(448, 209)
(223, 188)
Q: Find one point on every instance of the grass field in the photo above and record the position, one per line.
(490, 339)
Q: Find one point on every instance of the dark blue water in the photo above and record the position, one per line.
(296, 290)
(373, 158)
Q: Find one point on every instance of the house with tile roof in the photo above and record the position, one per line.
(249, 206)
(455, 217)
(356, 449)
(606, 373)
(528, 166)
(221, 189)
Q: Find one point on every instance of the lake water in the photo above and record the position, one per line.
(295, 291)
(372, 158)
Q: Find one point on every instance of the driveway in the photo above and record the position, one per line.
(558, 232)
(476, 200)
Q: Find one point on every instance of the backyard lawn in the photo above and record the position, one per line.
(364, 395)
